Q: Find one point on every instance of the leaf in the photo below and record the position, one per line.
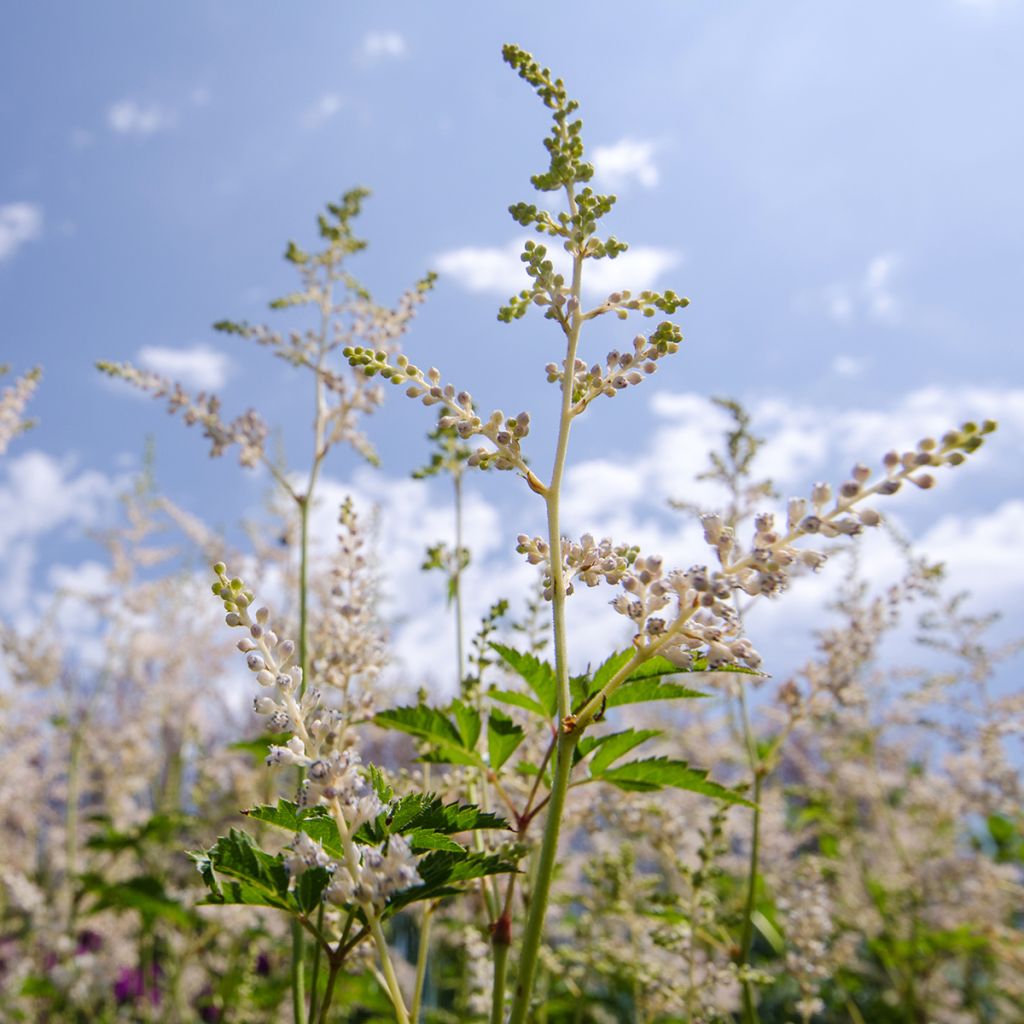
(611, 747)
(519, 700)
(432, 726)
(608, 668)
(384, 791)
(657, 772)
(538, 675)
(652, 688)
(260, 746)
(427, 839)
(316, 822)
(468, 721)
(441, 872)
(254, 877)
(503, 736)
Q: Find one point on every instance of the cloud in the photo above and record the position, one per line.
(130, 117)
(871, 297)
(39, 496)
(499, 270)
(19, 223)
(323, 110)
(628, 160)
(199, 366)
(848, 366)
(378, 45)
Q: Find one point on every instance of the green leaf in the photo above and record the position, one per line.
(251, 875)
(427, 839)
(309, 888)
(468, 721)
(503, 736)
(538, 675)
(443, 870)
(652, 688)
(384, 791)
(260, 746)
(519, 700)
(433, 727)
(426, 812)
(608, 668)
(611, 747)
(316, 822)
(657, 772)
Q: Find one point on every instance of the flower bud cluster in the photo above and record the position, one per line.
(248, 431)
(589, 561)
(380, 872)
(318, 745)
(504, 432)
(702, 619)
(12, 406)
(621, 369)
(766, 567)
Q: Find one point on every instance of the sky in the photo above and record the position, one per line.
(836, 187)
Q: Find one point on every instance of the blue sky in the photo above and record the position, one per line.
(835, 186)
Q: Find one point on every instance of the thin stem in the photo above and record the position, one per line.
(387, 968)
(533, 931)
(422, 956)
(460, 660)
(750, 1015)
(332, 974)
(500, 981)
(315, 972)
(298, 974)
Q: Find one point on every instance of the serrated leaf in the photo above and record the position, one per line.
(243, 873)
(443, 870)
(425, 811)
(384, 791)
(309, 888)
(611, 747)
(537, 674)
(519, 700)
(428, 839)
(503, 736)
(467, 720)
(433, 727)
(608, 668)
(652, 688)
(658, 772)
(316, 822)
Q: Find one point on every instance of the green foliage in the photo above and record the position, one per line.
(658, 772)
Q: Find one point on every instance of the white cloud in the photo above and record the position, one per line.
(499, 270)
(377, 45)
(626, 161)
(871, 297)
(130, 117)
(199, 366)
(40, 495)
(19, 223)
(848, 366)
(323, 110)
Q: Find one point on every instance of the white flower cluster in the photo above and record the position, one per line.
(12, 406)
(504, 432)
(703, 619)
(621, 369)
(766, 567)
(589, 561)
(332, 775)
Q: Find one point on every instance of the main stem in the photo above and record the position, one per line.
(567, 738)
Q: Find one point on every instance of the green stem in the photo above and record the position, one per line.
(387, 968)
(534, 928)
(315, 972)
(329, 991)
(500, 981)
(457, 582)
(298, 974)
(422, 956)
(750, 1015)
